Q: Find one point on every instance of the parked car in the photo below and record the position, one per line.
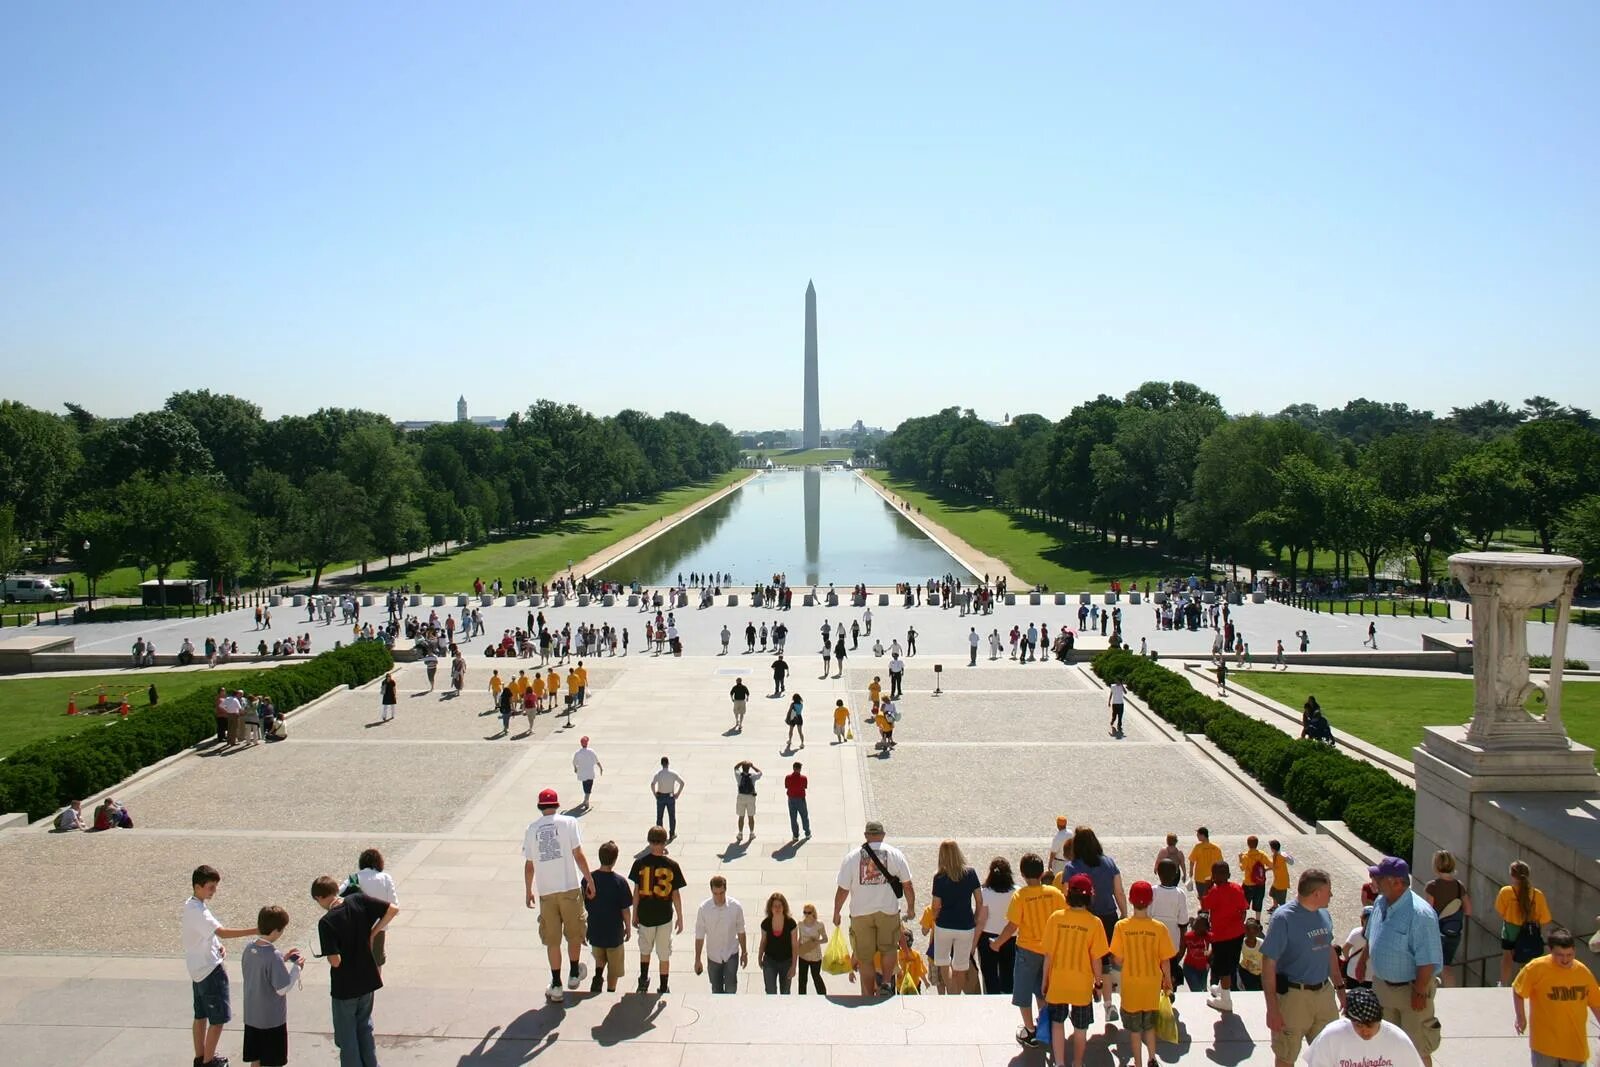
(32, 590)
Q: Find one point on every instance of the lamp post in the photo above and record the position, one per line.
(1427, 558)
(86, 577)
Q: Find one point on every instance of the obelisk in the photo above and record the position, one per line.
(811, 434)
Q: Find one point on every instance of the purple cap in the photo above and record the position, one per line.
(1391, 867)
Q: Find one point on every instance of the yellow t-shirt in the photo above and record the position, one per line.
(1201, 857)
(518, 684)
(1280, 872)
(572, 681)
(496, 684)
(552, 683)
(874, 690)
(1143, 946)
(582, 674)
(1030, 908)
(1559, 1000)
(1074, 938)
(1505, 904)
(538, 685)
(1249, 859)
(841, 715)
(884, 725)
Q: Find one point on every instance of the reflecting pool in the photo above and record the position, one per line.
(814, 526)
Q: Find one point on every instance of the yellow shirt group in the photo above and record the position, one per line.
(552, 683)
(582, 674)
(874, 691)
(1559, 1000)
(841, 715)
(1074, 939)
(1505, 904)
(1029, 910)
(496, 684)
(1143, 946)
(1201, 857)
(537, 686)
(1280, 872)
(1248, 860)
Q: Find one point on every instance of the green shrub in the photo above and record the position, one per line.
(1315, 781)
(1542, 663)
(46, 775)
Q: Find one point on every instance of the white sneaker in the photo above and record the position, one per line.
(1111, 1013)
(555, 994)
(1215, 990)
(574, 980)
(1223, 1003)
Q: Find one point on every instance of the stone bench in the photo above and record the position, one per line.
(583, 600)
(809, 600)
(1034, 599)
(297, 601)
(733, 600)
(1061, 599)
(1135, 598)
(633, 600)
(274, 600)
(1261, 598)
(509, 602)
(1208, 597)
(560, 600)
(1011, 600)
(1161, 597)
(416, 600)
(883, 600)
(1085, 598)
(609, 600)
(833, 600)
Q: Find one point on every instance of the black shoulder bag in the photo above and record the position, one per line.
(894, 883)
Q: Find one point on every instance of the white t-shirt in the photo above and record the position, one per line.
(584, 762)
(1057, 845)
(666, 781)
(997, 903)
(1340, 1046)
(1119, 694)
(869, 890)
(202, 950)
(972, 638)
(1170, 905)
(549, 843)
(377, 885)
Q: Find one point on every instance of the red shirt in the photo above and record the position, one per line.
(1194, 949)
(1225, 901)
(795, 785)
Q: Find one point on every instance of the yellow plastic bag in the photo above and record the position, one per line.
(908, 984)
(1166, 1020)
(836, 957)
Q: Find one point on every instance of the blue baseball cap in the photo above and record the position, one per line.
(1391, 867)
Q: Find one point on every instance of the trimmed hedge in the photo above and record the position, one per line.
(1317, 782)
(45, 776)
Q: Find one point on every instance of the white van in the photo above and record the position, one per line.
(32, 590)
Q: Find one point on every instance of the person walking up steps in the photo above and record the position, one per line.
(586, 765)
(841, 721)
(555, 873)
(897, 674)
(1115, 700)
(1299, 971)
(795, 719)
(1030, 909)
(667, 786)
(1141, 946)
(794, 787)
(780, 670)
(657, 906)
(911, 641)
(874, 879)
(1558, 988)
(719, 934)
(973, 640)
(740, 695)
(745, 776)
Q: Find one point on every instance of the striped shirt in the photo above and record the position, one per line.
(1030, 909)
(1402, 937)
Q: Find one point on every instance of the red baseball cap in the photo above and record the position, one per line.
(1140, 894)
(548, 799)
(1080, 883)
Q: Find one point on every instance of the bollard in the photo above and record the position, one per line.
(72, 706)
(123, 710)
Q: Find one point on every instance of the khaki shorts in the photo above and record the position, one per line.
(656, 941)
(562, 913)
(738, 708)
(610, 960)
(1422, 1027)
(877, 931)
(744, 805)
(1305, 1013)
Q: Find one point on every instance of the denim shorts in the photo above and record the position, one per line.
(1080, 1015)
(211, 997)
(1026, 974)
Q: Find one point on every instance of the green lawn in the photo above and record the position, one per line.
(1034, 550)
(801, 458)
(32, 709)
(1391, 712)
(547, 553)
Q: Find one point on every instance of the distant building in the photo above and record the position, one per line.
(461, 409)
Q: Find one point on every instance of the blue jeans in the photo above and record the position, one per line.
(352, 1032)
(724, 974)
(798, 816)
(667, 805)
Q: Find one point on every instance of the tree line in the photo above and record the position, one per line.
(209, 480)
(1370, 483)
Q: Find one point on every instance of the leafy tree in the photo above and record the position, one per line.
(10, 543)
(329, 523)
(95, 538)
(1559, 461)
(1485, 491)
(38, 458)
(1579, 532)
(163, 518)
(231, 429)
(1375, 526)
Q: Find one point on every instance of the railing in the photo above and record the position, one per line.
(81, 612)
(1317, 604)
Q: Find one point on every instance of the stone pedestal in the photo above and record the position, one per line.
(1509, 784)
(1135, 598)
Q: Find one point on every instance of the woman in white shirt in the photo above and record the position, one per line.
(997, 888)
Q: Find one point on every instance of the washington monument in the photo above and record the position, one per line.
(811, 434)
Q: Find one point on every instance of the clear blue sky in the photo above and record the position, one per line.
(385, 205)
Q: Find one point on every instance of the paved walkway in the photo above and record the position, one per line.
(92, 970)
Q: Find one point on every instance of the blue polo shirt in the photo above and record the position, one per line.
(1402, 937)
(1300, 942)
